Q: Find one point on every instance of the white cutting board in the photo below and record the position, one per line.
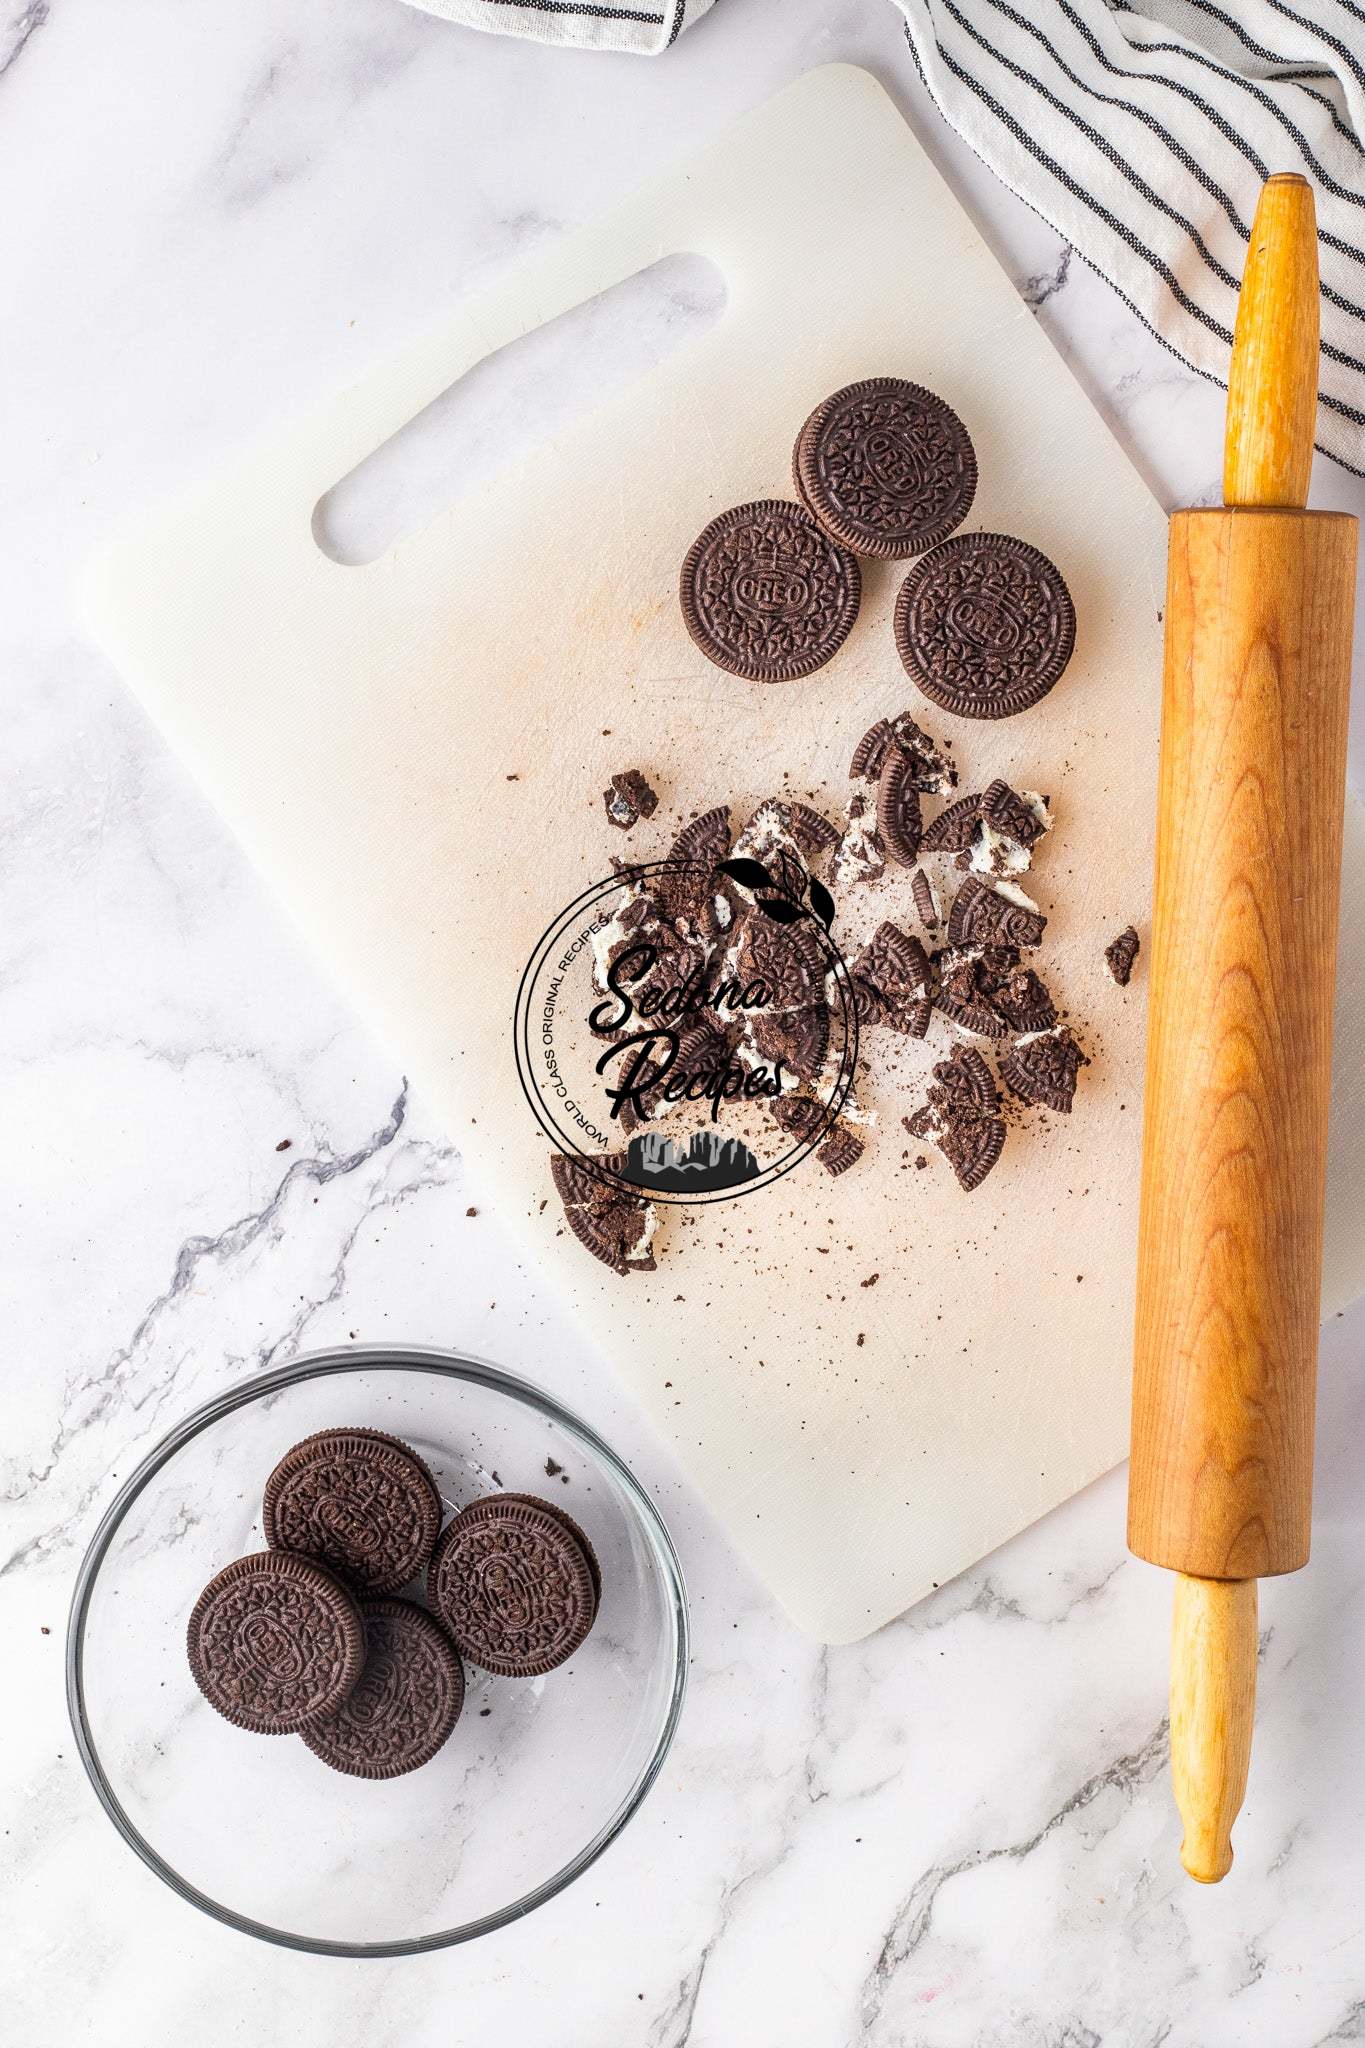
(358, 728)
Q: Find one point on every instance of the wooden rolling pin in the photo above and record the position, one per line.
(1243, 959)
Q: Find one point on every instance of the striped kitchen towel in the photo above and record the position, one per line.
(1143, 134)
(634, 25)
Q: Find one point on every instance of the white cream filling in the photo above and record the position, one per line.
(996, 854)
(858, 856)
(1012, 893)
(640, 1249)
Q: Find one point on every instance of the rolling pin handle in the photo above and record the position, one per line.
(1273, 378)
(1213, 1701)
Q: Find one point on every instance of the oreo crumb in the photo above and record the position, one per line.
(1121, 953)
(628, 798)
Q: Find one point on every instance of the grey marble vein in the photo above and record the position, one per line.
(91, 1397)
(1126, 1775)
(17, 33)
(1044, 285)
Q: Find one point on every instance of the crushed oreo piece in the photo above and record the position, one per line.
(989, 991)
(647, 928)
(993, 833)
(784, 962)
(959, 1116)
(628, 798)
(813, 833)
(926, 903)
(686, 894)
(869, 756)
(899, 819)
(982, 916)
(1012, 823)
(971, 1146)
(616, 1227)
(840, 1150)
(892, 982)
(1013, 815)
(1022, 999)
(797, 1038)
(706, 838)
(1120, 955)
(953, 830)
(966, 1080)
(707, 1043)
(929, 768)
(894, 764)
(932, 772)
(797, 1113)
(781, 844)
(1042, 1069)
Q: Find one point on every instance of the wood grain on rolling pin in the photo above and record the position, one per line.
(1259, 604)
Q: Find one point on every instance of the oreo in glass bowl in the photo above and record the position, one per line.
(322, 1836)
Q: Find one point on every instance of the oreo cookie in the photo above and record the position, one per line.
(1043, 1069)
(275, 1642)
(514, 1585)
(886, 467)
(985, 625)
(405, 1702)
(357, 1501)
(767, 594)
(982, 916)
(615, 1226)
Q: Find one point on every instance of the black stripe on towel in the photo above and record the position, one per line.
(580, 7)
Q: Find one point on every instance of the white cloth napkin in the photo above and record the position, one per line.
(1142, 134)
(641, 26)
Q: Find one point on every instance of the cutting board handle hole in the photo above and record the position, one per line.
(512, 401)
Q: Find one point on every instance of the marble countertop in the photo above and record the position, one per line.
(957, 1832)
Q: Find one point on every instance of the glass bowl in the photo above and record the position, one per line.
(537, 1778)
